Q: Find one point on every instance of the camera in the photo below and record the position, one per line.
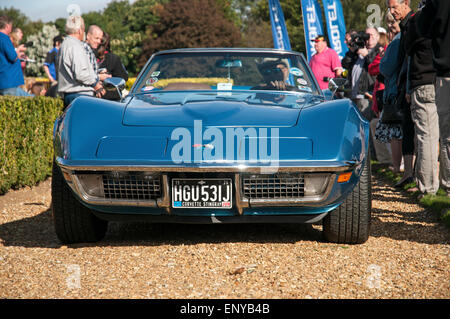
(28, 44)
(358, 40)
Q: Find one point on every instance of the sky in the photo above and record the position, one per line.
(50, 10)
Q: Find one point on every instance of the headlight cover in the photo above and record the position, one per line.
(315, 184)
(92, 184)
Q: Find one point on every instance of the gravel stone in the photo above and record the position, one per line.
(407, 256)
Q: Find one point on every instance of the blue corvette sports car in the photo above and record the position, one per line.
(213, 136)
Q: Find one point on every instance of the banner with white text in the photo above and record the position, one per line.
(312, 22)
(279, 31)
(334, 16)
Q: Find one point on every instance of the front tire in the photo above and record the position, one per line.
(350, 222)
(74, 223)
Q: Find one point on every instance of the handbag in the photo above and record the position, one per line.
(393, 109)
(379, 98)
(392, 113)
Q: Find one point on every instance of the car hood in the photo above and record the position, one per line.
(220, 109)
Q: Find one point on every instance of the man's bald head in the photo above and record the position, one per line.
(94, 36)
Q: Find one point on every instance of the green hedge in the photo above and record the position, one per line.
(26, 146)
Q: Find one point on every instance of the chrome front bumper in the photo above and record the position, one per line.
(241, 202)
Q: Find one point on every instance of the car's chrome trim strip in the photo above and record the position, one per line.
(165, 201)
(234, 50)
(241, 201)
(312, 167)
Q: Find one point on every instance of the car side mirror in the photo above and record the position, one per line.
(114, 84)
(336, 84)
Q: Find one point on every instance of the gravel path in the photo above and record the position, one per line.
(407, 256)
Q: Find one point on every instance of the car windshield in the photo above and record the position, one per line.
(226, 71)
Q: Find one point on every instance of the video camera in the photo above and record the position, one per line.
(358, 40)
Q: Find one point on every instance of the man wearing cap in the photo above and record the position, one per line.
(325, 64)
(381, 30)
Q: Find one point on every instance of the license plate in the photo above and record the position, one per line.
(202, 193)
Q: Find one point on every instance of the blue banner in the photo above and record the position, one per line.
(312, 22)
(335, 26)
(279, 31)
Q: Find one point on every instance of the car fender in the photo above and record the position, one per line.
(86, 120)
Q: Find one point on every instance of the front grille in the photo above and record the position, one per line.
(131, 187)
(273, 186)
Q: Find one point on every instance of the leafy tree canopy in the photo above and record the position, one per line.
(22, 21)
(42, 43)
(189, 24)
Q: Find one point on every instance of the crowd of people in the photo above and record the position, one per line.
(400, 81)
(76, 65)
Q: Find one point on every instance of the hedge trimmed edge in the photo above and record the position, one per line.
(26, 140)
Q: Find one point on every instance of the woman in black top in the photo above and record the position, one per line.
(111, 62)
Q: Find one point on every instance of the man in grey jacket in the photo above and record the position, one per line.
(76, 75)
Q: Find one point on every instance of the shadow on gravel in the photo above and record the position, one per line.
(404, 226)
(38, 232)
(411, 222)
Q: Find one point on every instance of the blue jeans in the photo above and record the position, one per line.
(16, 91)
(69, 97)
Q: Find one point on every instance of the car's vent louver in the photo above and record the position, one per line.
(273, 186)
(131, 187)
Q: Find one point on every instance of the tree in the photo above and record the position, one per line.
(126, 24)
(42, 43)
(144, 13)
(21, 21)
(128, 49)
(242, 9)
(115, 21)
(94, 18)
(257, 34)
(60, 24)
(292, 15)
(190, 24)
